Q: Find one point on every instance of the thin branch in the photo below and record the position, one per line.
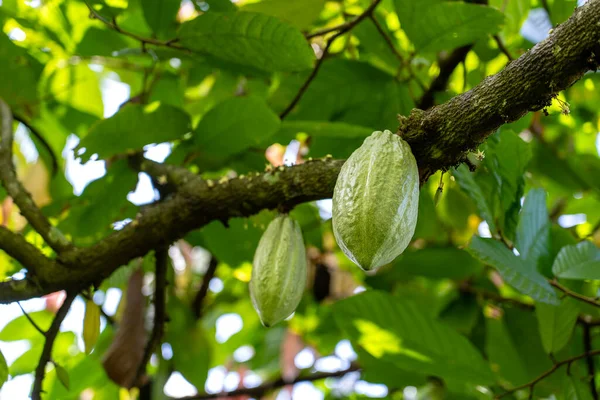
(502, 47)
(160, 305)
(144, 40)
(447, 67)
(46, 356)
(386, 38)
(587, 346)
(53, 237)
(259, 391)
(346, 26)
(573, 294)
(203, 291)
(341, 30)
(42, 140)
(531, 384)
(31, 321)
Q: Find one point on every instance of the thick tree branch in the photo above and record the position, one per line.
(46, 356)
(24, 252)
(259, 391)
(439, 138)
(19, 194)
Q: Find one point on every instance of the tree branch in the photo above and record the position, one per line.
(203, 291)
(160, 304)
(531, 384)
(342, 29)
(31, 321)
(587, 346)
(15, 189)
(439, 139)
(573, 294)
(259, 391)
(46, 356)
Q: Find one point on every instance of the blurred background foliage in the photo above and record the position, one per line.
(439, 322)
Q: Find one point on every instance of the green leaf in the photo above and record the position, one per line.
(3, 370)
(246, 38)
(160, 16)
(20, 328)
(133, 127)
(435, 25)
(556, 323)
(63, 375)
(234, 126)
(24, 72)
(504, 356)
(398, 332)
(100, 42)
(575, 388)
(466, 180)
(533, 231)
(300, 13)
(519, 274)
(581, 261)
(77, 86)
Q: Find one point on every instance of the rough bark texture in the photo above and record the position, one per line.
(439, 138)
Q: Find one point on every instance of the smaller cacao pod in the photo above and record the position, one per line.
(376, 201)
(278, 271)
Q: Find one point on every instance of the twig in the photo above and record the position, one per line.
(447, 67)
(387, 39)
(549, 372)
(259, 391)
(587, 346)
(144, 40)
(573, 294)
(31, 321)
(42, 140)
(502, 47)
(342, 29)
(346, 26)
(158, 327)
(53, 237)
(203, 291)
(46, 356)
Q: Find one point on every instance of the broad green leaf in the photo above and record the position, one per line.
(438, 25)
(466, 180)
(91, 327)
(575, 388)
(24, 71)
(556, 323)
(560, 10)
(398, 332)
(133, 127)
(533, 231)
(100, 42)
(3, 370)
(103, 202)
(504, 357)
(300, 13)
(347, 91)
(519, 274)
(20, 328)
(77, 86)
(247, 38)
(26, 362)
(160, 16)
(581, 261)
(232, 127)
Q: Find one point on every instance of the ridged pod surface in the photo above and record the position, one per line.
(278, 271)
(376, 201)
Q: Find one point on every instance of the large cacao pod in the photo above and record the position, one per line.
(376, 200)
(278, 271)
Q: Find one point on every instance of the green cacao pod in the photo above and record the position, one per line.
(278, 271)
(376, 201)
